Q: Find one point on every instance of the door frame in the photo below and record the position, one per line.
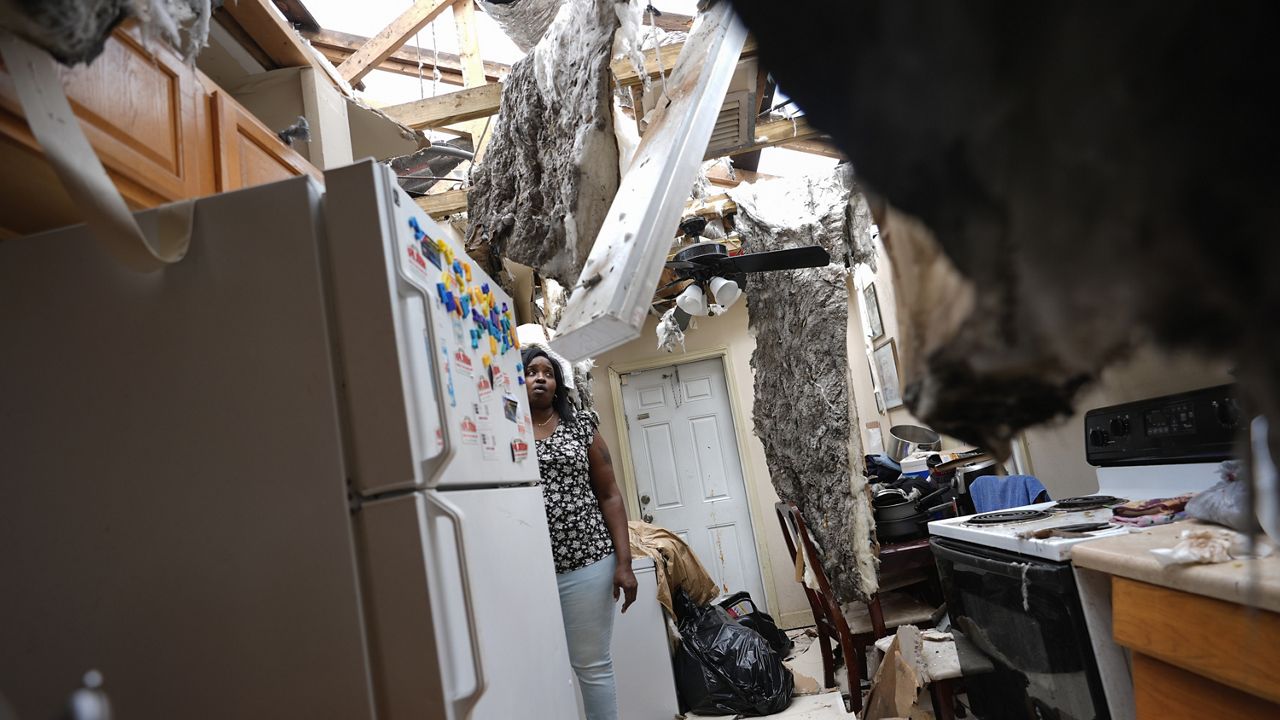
(629, 490)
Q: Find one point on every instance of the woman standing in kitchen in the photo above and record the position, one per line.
(589, 537)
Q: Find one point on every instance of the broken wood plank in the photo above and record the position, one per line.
(625, 72)
(450, 108)
(445, 203)
(381, 46)
(816, 146)
(671, 22)
(338, 46)
(719, 176)
(269, 31)
(714, 206)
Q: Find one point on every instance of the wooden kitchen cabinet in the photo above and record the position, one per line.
(162, 129)
(1196, 656)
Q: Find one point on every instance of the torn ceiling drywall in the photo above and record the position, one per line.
(551, 170)
(804, 414)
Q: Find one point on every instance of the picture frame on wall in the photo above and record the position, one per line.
(885, 356)
(874, 321)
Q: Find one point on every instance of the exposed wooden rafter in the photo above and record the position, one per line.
(445, 203)
(338, 46)
(269, 31)
(625, 72)
(464, 21)
(795, 133)
(386, 42)
(450, 108)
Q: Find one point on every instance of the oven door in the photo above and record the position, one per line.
(1023, 617)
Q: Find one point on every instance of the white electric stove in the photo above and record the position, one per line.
(1022, 530)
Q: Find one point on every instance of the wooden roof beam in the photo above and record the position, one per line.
(338, 46)
(381, 46)
(450, 108)
(268, 29)
(445, 203)
(625, 72)
(795, 134)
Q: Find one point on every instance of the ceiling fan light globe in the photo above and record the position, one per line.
(693, 301)
(725, 291)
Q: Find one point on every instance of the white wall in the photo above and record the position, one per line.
(786, 599)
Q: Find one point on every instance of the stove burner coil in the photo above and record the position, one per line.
(1007, 516)
(1088, 502)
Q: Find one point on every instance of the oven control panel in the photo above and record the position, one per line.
(1197, 426)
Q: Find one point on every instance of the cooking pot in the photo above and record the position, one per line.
(906, 439)
(909, 526)
(891, 504)
(903, 519)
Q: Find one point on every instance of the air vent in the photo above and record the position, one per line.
(735, 126)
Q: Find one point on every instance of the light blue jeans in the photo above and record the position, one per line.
(586, 602)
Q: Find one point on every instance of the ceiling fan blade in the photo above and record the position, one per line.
(682, 265)
(789, 259)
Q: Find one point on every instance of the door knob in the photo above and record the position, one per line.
(644, 499)
(647, 517)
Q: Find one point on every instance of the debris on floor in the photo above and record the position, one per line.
(827, 706)
(896, 689)
(805, 663)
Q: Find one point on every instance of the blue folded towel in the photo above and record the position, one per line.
(1001, 492)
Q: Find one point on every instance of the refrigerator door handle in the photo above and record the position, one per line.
(421, 312)
(468, 701)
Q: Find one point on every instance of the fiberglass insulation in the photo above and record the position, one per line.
(804, 412)
(550, 173)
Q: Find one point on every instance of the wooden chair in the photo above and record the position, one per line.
(855, 626)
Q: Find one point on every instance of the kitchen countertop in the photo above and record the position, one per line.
(1128, 556)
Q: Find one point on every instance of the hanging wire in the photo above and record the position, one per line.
(417, 46)
(435, 60)
(657, 48)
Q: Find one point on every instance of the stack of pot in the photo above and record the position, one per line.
(901, 514)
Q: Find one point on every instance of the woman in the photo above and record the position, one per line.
(589, 537)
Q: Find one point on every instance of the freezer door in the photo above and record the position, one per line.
(175, 510)
(463, 609)
(432, 370)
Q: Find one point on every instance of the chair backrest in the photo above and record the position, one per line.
(823, 603)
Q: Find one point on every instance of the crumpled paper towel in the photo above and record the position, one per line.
(1211, 545)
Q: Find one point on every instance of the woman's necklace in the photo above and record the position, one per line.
(544, 422)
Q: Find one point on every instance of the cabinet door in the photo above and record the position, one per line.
(248, 153)
(140, 109)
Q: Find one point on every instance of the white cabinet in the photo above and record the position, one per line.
(641, 655)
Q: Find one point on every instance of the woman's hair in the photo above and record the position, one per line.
(560, 401)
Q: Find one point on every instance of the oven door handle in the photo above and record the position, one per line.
(1011, 568)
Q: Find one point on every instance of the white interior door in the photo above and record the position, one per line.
(688, 472)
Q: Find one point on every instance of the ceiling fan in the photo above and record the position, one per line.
(707, 265)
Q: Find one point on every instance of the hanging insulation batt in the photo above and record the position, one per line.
(551, 171)
(804, 414)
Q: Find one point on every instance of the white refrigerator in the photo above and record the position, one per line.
(289, 476)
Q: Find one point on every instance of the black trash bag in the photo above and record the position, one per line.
(723, 668)
(741, 608)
